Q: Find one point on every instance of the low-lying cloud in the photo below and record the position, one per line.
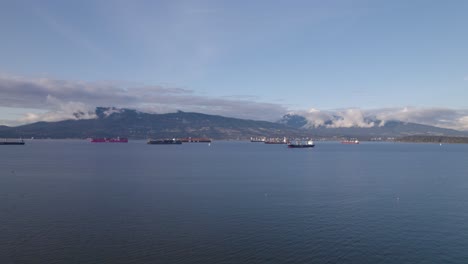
(355, 117)
(351, 117)
(62, 99)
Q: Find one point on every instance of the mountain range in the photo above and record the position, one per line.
(376, 128)
(114, 122)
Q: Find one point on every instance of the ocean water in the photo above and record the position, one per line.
(233, 202)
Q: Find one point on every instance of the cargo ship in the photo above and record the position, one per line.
(277, 141)
(164, 142)
(301, 144)
(257, 139)
(195, 140)
(12, 142)
(352, 141)
(109, 140)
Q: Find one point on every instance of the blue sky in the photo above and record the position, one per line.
(295, 55)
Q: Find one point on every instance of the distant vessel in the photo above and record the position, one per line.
(277, 141)
(257, 139)
(12, 142)
(109, 140)
(98, 140)
(352, 141)
(301, 144)
(118, 140)
(195, 140)
(164, 142)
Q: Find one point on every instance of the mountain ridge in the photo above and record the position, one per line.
(113, 122)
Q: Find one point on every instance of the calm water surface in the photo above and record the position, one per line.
(233, 202)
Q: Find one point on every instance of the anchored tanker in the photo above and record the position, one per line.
(195, 140)
(109, 140)
(164, 142)
(12, 142)
(301, 144)
(355, 141)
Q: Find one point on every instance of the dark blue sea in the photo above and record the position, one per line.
(233, 202)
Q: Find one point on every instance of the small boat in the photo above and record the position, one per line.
(164, 142)
(352, 141)
(12, 142)
(301, 144)
(109, 140)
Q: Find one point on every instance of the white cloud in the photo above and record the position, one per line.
(441, 117)
(60, 111)
(62, 99)
(351, 117)
(463, 122)
(55, 100)
(355, 117)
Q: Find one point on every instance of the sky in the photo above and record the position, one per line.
(248, 59)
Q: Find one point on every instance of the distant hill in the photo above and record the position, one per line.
(389, 129)
(434, 139)
(114, 122)
(296, 121)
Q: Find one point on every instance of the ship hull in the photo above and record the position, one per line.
(301, 146)
(109, 140)
(164, 142)
(11, 143)
(122, 140)
(195, 140)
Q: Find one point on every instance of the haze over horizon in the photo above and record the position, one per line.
(394, 60)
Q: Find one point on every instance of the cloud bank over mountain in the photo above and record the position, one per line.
(62, 99)
(355, 117)
(53, 100)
